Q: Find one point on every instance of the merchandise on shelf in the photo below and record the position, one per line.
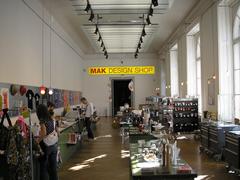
(185, 115)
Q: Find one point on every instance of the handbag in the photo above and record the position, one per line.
(51, 138)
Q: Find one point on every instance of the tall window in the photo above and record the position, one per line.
(198, 64)
(174, 70)
(194, 65)
(236, 64)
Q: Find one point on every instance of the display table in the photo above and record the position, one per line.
(150, 170)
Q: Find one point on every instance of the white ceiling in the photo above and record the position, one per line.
(120, 26)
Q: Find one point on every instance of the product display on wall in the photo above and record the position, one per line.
(29, 97)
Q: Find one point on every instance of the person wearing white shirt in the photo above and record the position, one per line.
(89, 110)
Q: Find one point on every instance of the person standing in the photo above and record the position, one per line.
(89, 110)
(48, 138)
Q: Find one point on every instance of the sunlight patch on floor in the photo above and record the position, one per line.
(79, 167)
(201, 177)
(105, 136)
(125, 154)
(86, 164)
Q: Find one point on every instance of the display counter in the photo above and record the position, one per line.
(68, 146)
(144, 169)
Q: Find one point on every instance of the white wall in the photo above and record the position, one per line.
(97, 89)
(209, 55)
(21, 48)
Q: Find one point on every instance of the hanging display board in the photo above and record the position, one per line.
(14, 96)
(141, 70)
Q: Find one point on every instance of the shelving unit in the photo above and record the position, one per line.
(185, 115)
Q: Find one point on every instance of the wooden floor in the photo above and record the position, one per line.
(107, 159)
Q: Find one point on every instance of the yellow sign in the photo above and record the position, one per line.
(121, 70)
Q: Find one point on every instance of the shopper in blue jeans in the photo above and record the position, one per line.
(48, 161)
(89, 110)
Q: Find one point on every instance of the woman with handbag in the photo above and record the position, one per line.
(48, 142)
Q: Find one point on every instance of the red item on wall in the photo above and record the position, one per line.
(22, 90)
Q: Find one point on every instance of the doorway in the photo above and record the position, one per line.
(121, 94)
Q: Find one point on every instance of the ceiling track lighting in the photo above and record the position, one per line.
(101, 40)
(88, 7)
(155, 3)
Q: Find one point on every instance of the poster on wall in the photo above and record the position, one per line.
(57, 98)
(71, 95)
(65, 98)
(5, 98)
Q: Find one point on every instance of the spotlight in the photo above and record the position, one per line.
(104, 48)
(91, 17)
(137, 51)
(96, 30)
(50, 91)
(102, 44)
(99, 39)
(42, 90)
(107, 56)
(139, 46)
(144, 32)
(88, 7)
(155, 3)
(141, 39)
(148, 21)
(151, 11)
(136, 55)
(105, 53)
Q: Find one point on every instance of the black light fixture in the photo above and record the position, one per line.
(155, 3)
(88, 7)
(107, 56)
(141, 39)
(139, 46)
(100, 38)
(91, 16)
(136, 55)
(102, 44)
(96, 30)
(148, 20)
(144, 32)
(137, 51)
(104, 48)
(151, 11)
(105, 53)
